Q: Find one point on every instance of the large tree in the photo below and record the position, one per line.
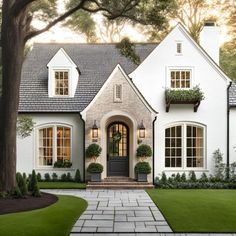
(16, 30)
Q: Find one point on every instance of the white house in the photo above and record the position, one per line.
(69, 88)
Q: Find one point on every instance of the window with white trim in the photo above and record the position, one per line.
(180, 79)
(61, 83)
(117, 93)
(54, 144)
(184, 146)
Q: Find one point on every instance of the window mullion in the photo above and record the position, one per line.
(184, 146)
(55, 143)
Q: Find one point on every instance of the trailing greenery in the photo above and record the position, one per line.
(25, 126)
(201, 210)
(93, 151)
(179, 95)
(62, 164)
(127, 49)
(143, 151)
(55, 220)
(95, 168)
(142, 168)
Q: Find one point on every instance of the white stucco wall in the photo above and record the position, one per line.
(152, 78)
(232, 128)
(27, 147)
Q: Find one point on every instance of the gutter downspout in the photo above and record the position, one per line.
(83, 146)
(228, 123)
(153, 147)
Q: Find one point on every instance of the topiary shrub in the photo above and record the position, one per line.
(93, 151)
(36, 191)
(39, 177)
(68, 177)
(143, 151)
(163, 178)
(16, 193)
(183, 177)
(142, 168)
(54, 177)
(63, 178)
(47, 177)
(178, 177)
(32, 181)
(77, 176)
(219, 166)
(192, 176)
(95, 168)
(21, 182)
(203, 178)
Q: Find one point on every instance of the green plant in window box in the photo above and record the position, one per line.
(184, 95)
(62, 164)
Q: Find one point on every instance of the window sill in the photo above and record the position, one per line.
(186, 169)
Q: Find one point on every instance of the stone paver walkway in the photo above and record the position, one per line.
(117, 211)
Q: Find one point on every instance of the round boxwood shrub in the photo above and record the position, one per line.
(95, 168)
(93, 151)
(142, 168)
(144, 151)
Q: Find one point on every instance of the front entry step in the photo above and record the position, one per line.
(119, 183)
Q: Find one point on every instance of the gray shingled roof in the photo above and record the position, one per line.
(95, 61)
(232, 95)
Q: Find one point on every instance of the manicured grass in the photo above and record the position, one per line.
(61, 185)
(197, 210)
(57, 219)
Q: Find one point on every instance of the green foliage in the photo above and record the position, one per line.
(232, 172)
(127, 49)
(183, 177)
(178, 178)
(63, 178)
(203, 178)
(36, 191)
(54, 177)
(47, 177)
(219, 166)
(143, 151)
(77, 178)
(192, 176)
(179, 95)
(62, 164)
(228, 59)
(24, 176)
(95, 168)
(142, 168)
(16, 193)
(68, 177)
(93, 151)
(21, 182)
(25, 126)
(163, 178)
(39, 177)
(33, 185)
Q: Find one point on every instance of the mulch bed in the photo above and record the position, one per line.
(11, 205)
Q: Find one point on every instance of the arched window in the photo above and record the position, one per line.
(54, 145)
(184, 146)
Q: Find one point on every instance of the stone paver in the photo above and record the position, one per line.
(117, 211)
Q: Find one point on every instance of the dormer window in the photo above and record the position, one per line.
(61, 83)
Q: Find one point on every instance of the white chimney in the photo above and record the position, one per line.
(209, 40)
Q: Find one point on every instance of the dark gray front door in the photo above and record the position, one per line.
(117, 149)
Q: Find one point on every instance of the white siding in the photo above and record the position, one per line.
(232, 146)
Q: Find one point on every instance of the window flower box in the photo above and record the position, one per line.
(184, 96)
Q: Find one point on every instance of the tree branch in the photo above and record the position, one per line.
(34, 33)
(19, 5)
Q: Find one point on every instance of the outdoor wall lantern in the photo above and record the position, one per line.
(94, 131)
(141, 130)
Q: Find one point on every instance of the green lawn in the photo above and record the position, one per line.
(56, 219)
(61, 185)
(197, 210)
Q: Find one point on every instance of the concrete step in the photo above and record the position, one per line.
(130, 186)
(118, 179)
(118, 183)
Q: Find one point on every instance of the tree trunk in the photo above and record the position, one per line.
(12, 40)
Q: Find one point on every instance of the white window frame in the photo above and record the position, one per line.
(184, 146)
(179, 68)
(117, 99)
(54, 70)
(54, 148)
